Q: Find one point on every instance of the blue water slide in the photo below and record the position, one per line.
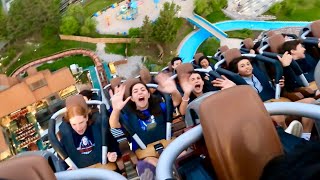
(193, 41)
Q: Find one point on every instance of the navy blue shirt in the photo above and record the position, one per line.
(84, 143)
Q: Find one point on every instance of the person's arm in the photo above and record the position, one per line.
(114, 119)
(184, 103)
(223, 83)
(176, 98)
(117, 105)
(167, 85)
(187, 89)
(286, 59)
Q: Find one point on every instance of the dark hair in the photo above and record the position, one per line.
(233, 65)
(87, 93)
(154, 104)
(289, 45)
(203, 58)
(175, 59)
(207, 86)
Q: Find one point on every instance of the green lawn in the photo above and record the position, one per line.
(115, 49)
(303, 11)
(82, 61)
(93, 6)
(209, 47)
(243, 34)
(50, 47)
(217, 16)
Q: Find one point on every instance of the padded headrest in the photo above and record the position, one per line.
(223, 48)
(184, 68)
(275, 42)
(197, 57)
(271, 33)
(145, 75)
(128, 83)
(248, 43)
(241, 139)
(26, 167)
(315, 28)
(230, 54)
(76, 100)
(114, 82)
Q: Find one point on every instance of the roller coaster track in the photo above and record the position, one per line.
(70, 52)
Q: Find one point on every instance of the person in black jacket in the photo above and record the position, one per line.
(81, 136)
(306, 62)
(258, 80)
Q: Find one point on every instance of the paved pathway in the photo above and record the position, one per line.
(131, 69)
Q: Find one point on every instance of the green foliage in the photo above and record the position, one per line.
(49, 47)
(115, 48)
(242, 34)
(165, 28)
(275, 9)
(3, 22)
(27, 17)
(69, 25)
(82, 61)
(94, 6)
(211, 9)
(84, 26)
(134, 32)
(89, 27)
(146, 30)
(209, 47)
(201, 7)
(9, 55)
(296, 10)
(78, 12)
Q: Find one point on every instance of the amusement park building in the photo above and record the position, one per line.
(30, 101)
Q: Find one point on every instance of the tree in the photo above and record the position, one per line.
(202, 7)
(3, 21)
(32, 16)
(69, 25)
(146, 30)
(89, 27)
(165, 28)
(134, 32)
(275, 9)
(78, 12)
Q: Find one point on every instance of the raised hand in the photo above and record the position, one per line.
(165, 84)
(117, 98)
(286, 59)
(112, 156)
(186, 86)
(223, 83)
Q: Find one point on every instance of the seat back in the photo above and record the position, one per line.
(230, 54)
(26, 167)
(248, 43)
(184, 68)
(315, 28)
(275, 42)
(128, 83)
(145, 76)
(223, 49)
(240, 136)
(114, 82)
(197, 57)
